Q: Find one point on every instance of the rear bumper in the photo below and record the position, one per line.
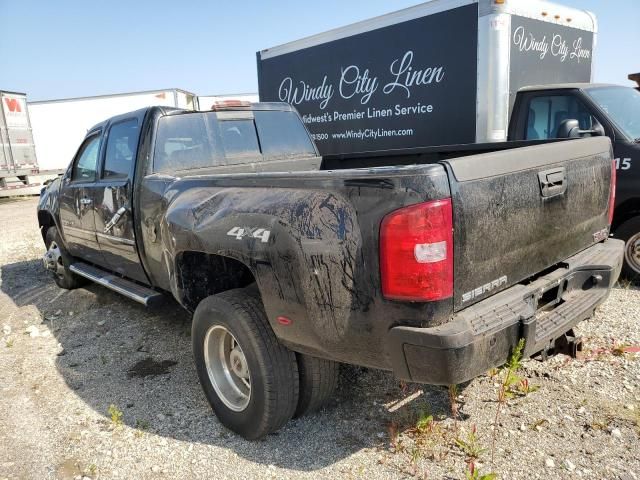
(482, 336)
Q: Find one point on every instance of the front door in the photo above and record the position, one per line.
(114, 218)
(77, 219)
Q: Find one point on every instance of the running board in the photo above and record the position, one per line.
(129, 289)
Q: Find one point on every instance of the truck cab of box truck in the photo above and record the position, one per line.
(584, 110)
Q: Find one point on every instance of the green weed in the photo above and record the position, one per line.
(142, 424)
(509, 380)
(116, 415)
(473, 473)
(470, 445)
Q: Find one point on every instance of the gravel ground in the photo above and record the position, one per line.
(66, 357)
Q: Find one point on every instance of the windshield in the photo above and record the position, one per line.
(622, 104)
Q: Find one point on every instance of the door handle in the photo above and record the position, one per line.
(115, 219)
(86, 201)
(553, 182)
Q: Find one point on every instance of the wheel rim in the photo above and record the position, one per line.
(227, 368)
(632, 252)
(53, 260)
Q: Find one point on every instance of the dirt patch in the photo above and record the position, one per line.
(149, 367)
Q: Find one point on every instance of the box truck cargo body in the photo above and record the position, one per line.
(60, 125)
(443, 72)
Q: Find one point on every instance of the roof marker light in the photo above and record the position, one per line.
(226, 104)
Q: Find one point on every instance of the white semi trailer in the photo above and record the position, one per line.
(60, 125)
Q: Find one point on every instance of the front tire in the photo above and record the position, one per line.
(629, 231)
(249, 378)
(58, 261)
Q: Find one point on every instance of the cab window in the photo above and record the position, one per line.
(84, 167)
(184, 142)
(282, 135)
(546, 114)
(122, 144)
(239, 139)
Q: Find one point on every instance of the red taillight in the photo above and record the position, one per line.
(416, 252)
(612, 191)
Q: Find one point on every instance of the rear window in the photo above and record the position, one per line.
(200, 140)
(282, 134)
(238, 138)
(183, 142)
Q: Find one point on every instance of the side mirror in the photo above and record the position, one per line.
(598, 130)
(570, 128)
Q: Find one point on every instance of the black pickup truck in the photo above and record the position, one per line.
(429, 264)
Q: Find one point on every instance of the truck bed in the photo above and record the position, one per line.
(322, 265)
(422, 155)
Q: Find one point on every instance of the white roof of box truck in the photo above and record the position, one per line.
(537, 9)
(558, 86)
(111, 95)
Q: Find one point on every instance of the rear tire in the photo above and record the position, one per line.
(318, 382)
(629, 231)
(63, 277)
(252, 385)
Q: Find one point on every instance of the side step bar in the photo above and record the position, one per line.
(129, 289)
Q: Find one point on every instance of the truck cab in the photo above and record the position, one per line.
(584, 110)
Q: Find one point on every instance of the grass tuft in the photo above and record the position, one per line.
(116, 415)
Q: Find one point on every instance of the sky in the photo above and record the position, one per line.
(61, 49)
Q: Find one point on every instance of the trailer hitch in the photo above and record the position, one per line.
(568, 344)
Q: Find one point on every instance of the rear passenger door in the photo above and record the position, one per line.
(114, 217)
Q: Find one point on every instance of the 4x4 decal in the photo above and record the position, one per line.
(240, 232)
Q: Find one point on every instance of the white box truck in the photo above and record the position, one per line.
(442, 72)
(60, 125)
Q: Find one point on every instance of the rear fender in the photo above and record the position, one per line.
(300, 245)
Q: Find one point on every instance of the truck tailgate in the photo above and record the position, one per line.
(518, 212)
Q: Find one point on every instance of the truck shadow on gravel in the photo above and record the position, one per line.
(113, 351)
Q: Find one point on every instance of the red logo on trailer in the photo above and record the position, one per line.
(13, 104)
